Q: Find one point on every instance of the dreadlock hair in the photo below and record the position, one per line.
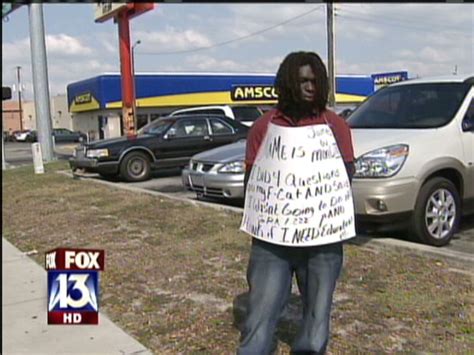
(288, 89)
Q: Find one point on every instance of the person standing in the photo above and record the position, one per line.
(302, 87)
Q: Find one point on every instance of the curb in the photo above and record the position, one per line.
(154, 193)
(24, 316)
(461, 259)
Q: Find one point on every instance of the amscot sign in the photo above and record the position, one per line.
(253, 92)
(384, 79)
(83, 98)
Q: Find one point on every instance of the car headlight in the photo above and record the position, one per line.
(236, 167)
(381, 163)
(97, 153)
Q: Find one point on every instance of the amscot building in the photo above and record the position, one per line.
(95, 104)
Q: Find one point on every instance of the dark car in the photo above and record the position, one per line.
(164, 143)
(64, 135)
(8, 136)
(61, 135)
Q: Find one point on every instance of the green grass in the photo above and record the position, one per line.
(162, 256)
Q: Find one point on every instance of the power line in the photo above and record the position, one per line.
(253, 34)
(410, 20)
(397, 24)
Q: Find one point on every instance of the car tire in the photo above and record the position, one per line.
(135, 167)
(437, 212)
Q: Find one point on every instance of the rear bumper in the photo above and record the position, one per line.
(214, 185)
(94, 166)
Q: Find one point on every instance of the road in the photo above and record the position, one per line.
(19, 153)
(169, 182)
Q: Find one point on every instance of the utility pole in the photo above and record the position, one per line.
(331, 55)
(122, 13)
(134, 81)
(20, 109)
(128, 87)
(6, 95)
(40, 80)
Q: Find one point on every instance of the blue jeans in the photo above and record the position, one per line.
(269, 275)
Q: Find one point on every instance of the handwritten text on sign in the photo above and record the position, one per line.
(298, 192)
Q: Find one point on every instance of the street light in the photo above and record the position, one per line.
(137, 42)
(20, 109)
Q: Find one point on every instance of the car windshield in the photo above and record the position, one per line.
(155, 127)
(246, 113)
(410, 106)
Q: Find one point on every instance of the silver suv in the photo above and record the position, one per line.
(414, 144)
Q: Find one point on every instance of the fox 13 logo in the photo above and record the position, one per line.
(73, 285)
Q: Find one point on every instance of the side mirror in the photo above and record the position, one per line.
(170, 134)
(468, 124)
(346, 113)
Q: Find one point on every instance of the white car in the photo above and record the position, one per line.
(244, 114)
(217, 173)
(24, 136)
(414, 149)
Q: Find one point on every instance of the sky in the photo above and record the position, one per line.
(423, 39)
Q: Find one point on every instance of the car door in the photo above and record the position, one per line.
(61, 135)
(468, 147)
(221, 132)
(186, 137)
(57, 136)
(70, 136)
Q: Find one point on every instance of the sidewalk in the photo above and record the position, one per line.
(24, 322)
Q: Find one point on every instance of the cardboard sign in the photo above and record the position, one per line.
(298, 192)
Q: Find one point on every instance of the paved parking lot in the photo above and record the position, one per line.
(169, 182)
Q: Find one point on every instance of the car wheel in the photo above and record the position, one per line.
(135, 167)
(437, 212)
